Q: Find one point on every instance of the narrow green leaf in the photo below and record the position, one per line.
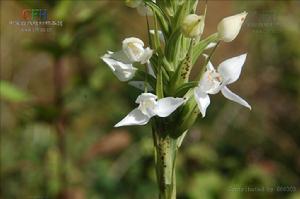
(159, 84)
(183, 89)
(173, 45)
(151, 43)
(167, 65)
(156, 42)
(161, 16)
(199, 47)
(174, 80)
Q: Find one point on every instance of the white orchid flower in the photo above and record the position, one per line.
(214, 81)
(135, 51)
(148, 107)
(121, 62)
(230, 27)
(120, 65)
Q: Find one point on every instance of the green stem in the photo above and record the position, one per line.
(165, 157)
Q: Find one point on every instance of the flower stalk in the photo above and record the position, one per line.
(165, 151)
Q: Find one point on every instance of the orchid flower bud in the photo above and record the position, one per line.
(192, 25)
(133, 48)
(230, 27)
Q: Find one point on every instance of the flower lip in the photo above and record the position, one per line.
(148, 106)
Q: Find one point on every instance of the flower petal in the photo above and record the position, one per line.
(230, 69)
(124, 72)
(150, 70)
(133, 48)
(168, 105)
(209, 66)
(146, 55)
(120, 56)
(135, 117)
(115, 63)
(234, 97)
(133, 40)
(202, 100)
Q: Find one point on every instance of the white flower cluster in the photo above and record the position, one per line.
(212, 81)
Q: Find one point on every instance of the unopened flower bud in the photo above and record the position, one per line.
(230, 27)
(192, 25)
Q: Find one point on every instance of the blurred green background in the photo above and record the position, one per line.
(59, 103)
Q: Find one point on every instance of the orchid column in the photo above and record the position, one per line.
(170, 100)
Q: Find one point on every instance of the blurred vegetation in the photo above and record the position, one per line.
(59, 103)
